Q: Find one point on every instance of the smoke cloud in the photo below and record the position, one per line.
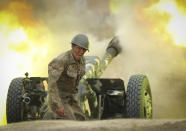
(144, 51)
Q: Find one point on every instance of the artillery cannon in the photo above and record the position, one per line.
(25, 98)
(103, 98)
(100, 98)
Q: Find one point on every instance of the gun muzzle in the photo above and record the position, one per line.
(114, 47)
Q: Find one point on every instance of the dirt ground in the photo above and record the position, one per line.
(103, 125)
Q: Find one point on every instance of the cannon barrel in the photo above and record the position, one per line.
(95, 66)
(112, 51)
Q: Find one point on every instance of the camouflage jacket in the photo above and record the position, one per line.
(64, 75)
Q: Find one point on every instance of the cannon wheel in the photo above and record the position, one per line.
(14, 110)
(138, 98)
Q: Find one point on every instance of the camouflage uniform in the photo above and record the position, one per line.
(64, 76)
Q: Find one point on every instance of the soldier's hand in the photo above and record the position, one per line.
(60, 111)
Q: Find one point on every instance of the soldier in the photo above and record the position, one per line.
(65, 72)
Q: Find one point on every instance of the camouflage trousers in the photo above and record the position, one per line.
(72, 110)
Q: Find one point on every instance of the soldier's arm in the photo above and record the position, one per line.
(55, 69)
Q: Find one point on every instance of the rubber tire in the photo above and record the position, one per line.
(14, 103)
(138, 87)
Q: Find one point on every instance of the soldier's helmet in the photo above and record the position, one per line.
(81, 40)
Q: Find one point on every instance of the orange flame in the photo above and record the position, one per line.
(169, 20)
(21, 33)
(24, 44)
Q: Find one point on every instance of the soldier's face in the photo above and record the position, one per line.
(78, 52)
